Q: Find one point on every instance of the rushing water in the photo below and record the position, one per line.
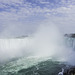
(31, 66)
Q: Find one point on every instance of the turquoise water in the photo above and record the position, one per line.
(31, 66)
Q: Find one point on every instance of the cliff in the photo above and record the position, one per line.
(70, 35)
(69, 71)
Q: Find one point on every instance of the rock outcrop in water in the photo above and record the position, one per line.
(69, 71)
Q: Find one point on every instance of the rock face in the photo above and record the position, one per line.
(69, 71)
(70, 35)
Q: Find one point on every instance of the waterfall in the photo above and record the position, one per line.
(14, 47)
(70, 42)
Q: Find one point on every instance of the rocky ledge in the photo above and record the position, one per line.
(69, 71)
(70, 35)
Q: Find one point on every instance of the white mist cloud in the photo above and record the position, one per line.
(46, 41)
(43, 43)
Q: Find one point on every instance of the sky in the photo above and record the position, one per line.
(22, 17)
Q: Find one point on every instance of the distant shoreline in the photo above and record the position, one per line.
(17, 37)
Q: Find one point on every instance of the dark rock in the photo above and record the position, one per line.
(70, 35)
(69, 71)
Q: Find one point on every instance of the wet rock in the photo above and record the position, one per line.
(70, 35)
(69, 71)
